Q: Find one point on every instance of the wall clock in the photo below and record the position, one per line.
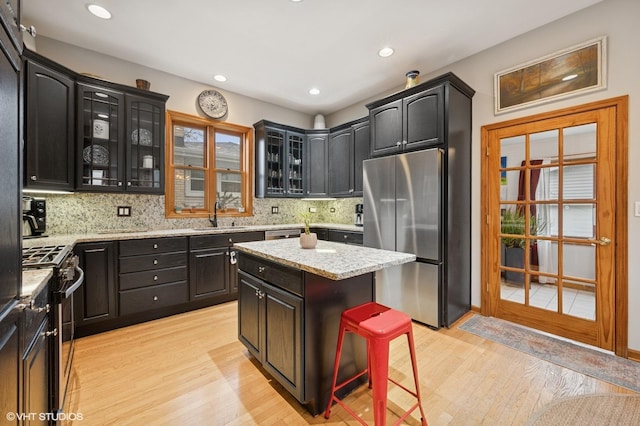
(213, 103)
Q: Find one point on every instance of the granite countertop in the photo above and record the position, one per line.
(331, 260)
(134, 234)
(33, 280)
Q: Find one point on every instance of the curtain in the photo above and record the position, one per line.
(544, 249)
(534, 178)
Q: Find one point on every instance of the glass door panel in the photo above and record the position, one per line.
(276, 173)
(144, 139)
(100, 148)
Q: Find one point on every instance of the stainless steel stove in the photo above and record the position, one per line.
(44, 256)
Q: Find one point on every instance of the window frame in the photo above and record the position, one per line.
(246, 171)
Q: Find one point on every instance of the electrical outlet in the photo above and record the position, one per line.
(274, 210)
(637, 206)
(124, 211)
(313, 209)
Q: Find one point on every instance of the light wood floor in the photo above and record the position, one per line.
(190, 369)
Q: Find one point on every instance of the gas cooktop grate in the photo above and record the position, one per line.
(42, 257)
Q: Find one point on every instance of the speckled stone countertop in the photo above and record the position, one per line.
(135, 234)
(34, 279)
(331, 260)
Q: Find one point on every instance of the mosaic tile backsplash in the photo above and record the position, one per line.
(82, 213)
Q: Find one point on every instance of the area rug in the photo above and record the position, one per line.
(601, 365)
(596, 410)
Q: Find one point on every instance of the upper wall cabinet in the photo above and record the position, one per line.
(414, 118)
(317, 163)
(49, 125)
(120, 139)
(10, 18)
(348, 148)
(280, 160)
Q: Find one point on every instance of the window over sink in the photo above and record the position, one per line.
(207, 161)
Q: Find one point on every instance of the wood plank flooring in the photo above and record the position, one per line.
(190, 369)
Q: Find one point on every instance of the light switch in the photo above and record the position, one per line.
(124, 211)
(637, 206)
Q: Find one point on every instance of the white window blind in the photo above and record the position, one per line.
(578, 184)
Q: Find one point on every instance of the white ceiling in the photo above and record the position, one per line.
(276, 50)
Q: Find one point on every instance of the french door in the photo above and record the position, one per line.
(554, 243)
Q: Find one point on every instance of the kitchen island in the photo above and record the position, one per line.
(289, 306)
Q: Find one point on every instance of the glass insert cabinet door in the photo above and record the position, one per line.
(145, 145)
(99, 133)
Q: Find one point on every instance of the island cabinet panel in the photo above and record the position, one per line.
(292, 329)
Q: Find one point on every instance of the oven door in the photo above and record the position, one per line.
(63, 352)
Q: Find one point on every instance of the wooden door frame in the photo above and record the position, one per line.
(621, 106)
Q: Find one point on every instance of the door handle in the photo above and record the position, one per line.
(604, 241)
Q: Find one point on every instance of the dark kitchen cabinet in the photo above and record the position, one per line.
(361, 148)
(341, 163)
(349, 146)
(49, 125)
(408, 121)
(10, 205)
(286, 320)
(36, 374)
(10, 362)
(152, 274)
(270, 325)
(209, 272)
(317, 163)
(95, 300)
(212, 264)
(120, 139)
(347, 237)
(280, 160)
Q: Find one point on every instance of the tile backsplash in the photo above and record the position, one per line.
(82, 213)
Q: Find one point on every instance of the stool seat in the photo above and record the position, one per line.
(378, 324)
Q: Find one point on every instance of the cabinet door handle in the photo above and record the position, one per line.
(155, 278)
(404, 142)
(398, 143)
(34, 177)
(155, 246)
(261, 269)
(119, 183)
(155, 298)
(155, 261)
(53, 332)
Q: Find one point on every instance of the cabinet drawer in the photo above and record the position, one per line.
(223, 240)
(160, 296)
(151, 278)
(284, 277)
(152, 245)
(152, 261)
(345, 237)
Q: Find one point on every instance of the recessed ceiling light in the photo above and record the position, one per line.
(314, 91)
(385, 52)
(99, 11)
(219, 77)
(569, 77)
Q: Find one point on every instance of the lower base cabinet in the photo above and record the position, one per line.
(10, 364)
(36, 376)
(95, 300)
(270, 325)
(289, 320)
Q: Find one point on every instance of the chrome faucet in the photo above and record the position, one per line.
(214, 221)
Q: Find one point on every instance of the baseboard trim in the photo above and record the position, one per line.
(633, 355)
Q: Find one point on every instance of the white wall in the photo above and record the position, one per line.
(182, 93)
(619, 20)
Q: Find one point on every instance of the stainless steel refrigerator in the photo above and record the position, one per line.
(405, 199)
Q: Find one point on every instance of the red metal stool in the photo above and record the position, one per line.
(379, 325)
